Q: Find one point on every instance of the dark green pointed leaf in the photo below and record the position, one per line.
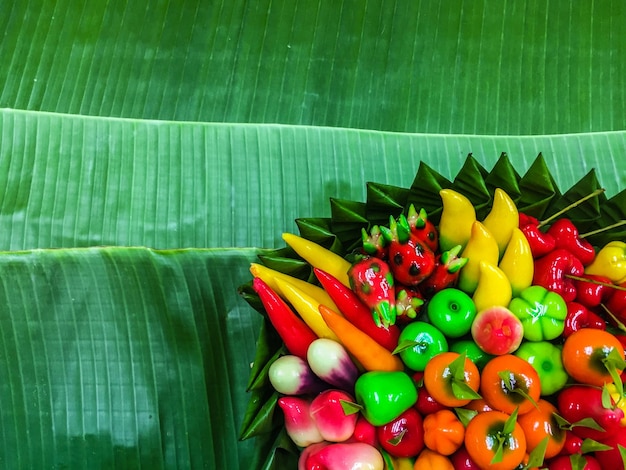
(259, 418)
(538, 188)
(295, 267)
(348, 218)
(265, 354)
(470, 181)
(612, 212)
(424, 191)
(504, 176)
(384, 200)
(348, 212)
(261, 378)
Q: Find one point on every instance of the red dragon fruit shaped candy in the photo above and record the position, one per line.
(371, 279)
(410, 259)
(423, 228)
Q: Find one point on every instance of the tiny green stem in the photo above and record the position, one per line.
(603, 229)
(594, 281)
(571, 206)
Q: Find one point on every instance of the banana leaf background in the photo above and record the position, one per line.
(150, 151)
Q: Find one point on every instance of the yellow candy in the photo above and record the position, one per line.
(457, 216)
(517, 262)
(502, 219)
(493, 289)
(481, 246)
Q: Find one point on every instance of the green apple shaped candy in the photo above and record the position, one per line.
(418, 343)
(452, 311)
(384, 396)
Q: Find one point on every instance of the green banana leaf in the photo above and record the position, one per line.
(459, 67)
(123, 358)
(70, 181)
(150, 151)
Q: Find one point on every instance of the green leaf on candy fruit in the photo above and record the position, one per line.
(607, 401)
(349, 407)
(614, 364)
(622, 453)
(465, 415)
(591, 445)
(460, 388)
(509, 425)
(577, 461)
(405, 344)
(507, 380)
(397, 439)
(463, 391)
(501, 436)
(537, 455)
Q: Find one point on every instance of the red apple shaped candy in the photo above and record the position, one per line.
(298, 422)
(497, 331)
(364, 431)
(343, 456)
(329, 416)
(404, 436)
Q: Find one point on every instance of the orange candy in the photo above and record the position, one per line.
(584, 353)
(507, 382)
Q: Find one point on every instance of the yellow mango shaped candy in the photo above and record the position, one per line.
(502, 219)
(493, 289)
(457, 216)
(481, 246)
(517, 262)
(610, 261)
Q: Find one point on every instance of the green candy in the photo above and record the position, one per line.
(452, 311)
(545, 358)
(472, 352)
(384, 396)
(541, 312)
(418, 343)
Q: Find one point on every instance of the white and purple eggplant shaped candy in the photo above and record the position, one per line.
(330, 361)
(291, 375)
